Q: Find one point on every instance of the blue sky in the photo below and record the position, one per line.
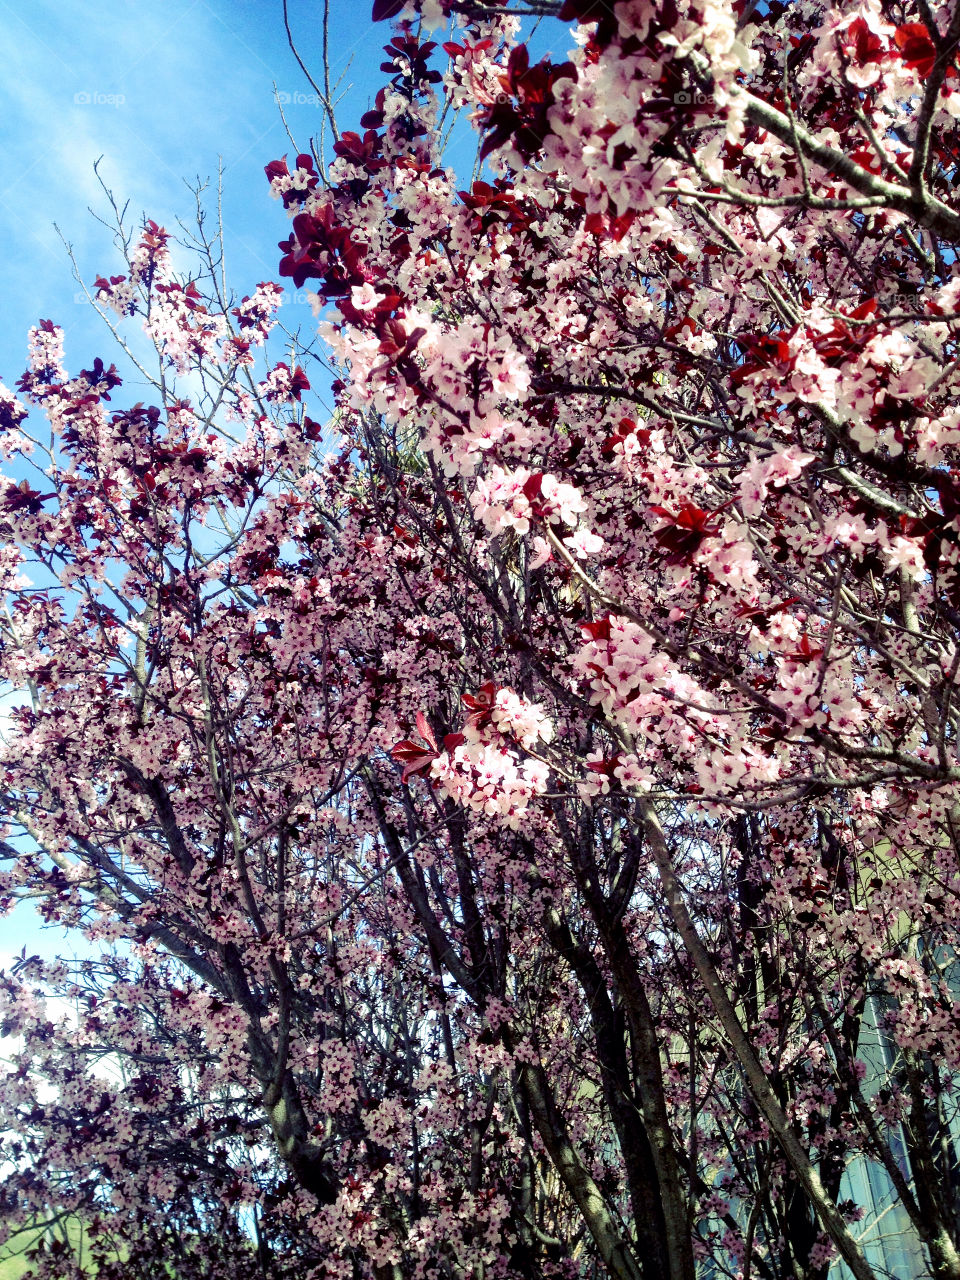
(161, 89)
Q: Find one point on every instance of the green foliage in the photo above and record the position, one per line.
(14, 1262)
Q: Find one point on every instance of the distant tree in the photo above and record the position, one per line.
(528, 808)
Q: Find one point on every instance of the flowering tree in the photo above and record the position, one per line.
(530, 819)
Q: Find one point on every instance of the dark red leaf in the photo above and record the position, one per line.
(383, 10)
